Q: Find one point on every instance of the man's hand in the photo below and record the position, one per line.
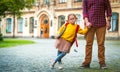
(108, 26)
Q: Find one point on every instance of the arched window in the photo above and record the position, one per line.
(61, 21)
(78, 19)
(31, 26)
(114, 22)
(9, 25)
(20, 24)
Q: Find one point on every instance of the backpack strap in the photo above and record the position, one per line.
(66, 24)
(63, 30)
(74, 39)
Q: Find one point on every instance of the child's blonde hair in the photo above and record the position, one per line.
(72, 14)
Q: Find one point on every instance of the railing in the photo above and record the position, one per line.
(115, 1)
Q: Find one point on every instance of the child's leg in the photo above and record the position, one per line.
(60, 56)
(59, 52)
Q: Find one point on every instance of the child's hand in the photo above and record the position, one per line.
(57, 36)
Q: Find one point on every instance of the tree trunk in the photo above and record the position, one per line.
(14, 25)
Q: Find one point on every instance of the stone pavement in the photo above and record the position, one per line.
(37, 57)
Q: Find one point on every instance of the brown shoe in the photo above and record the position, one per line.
(103, 66)
(85, 66)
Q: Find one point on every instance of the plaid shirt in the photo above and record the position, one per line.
(96, 11)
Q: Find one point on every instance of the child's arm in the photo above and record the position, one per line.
(83, 31)
(60, 31)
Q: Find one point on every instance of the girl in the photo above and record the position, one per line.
(67, 37)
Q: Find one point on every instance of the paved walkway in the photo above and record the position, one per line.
(37, 57)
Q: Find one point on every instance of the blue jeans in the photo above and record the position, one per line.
(60, 55)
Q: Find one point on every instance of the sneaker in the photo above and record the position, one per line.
(85, 66)
(103, 66)
(52, 65)
(60, 66)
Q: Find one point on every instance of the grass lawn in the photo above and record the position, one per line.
(14, 42)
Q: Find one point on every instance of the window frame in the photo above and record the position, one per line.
(31, 25)
(8, 25)
(61, 21)
(20, 25)
(114, 22)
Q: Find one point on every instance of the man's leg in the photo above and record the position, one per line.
(89, 42)
(100, 34)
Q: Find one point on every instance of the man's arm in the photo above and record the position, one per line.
(108, 8)
(109, 14)
(85, 9)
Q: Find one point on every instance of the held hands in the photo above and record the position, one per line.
(88, 24)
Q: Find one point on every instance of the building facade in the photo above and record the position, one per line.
(46, 16)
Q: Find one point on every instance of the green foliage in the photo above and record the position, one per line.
(3, 7)
(14, 6)
(1, 37)
(14, 42)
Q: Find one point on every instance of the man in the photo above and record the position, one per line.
(97, 16)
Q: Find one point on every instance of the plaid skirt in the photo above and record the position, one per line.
(63, 45)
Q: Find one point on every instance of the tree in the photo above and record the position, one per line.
(3, 8)
(14, 7)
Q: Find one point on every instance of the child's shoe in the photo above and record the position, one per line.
(60, 66)
(52, 65)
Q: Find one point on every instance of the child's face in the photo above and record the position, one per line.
(72, 19)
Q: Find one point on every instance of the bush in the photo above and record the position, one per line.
(1, 37)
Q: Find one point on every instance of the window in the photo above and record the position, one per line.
(61, 20)
(31, 29)
(9, 25)
(77, 0)
(114, 22)
(20, 24)
(47, 2)
(78, 19)
(62, 1)
(36, 2)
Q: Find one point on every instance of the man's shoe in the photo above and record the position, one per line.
(103, 66)
(85, 66)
